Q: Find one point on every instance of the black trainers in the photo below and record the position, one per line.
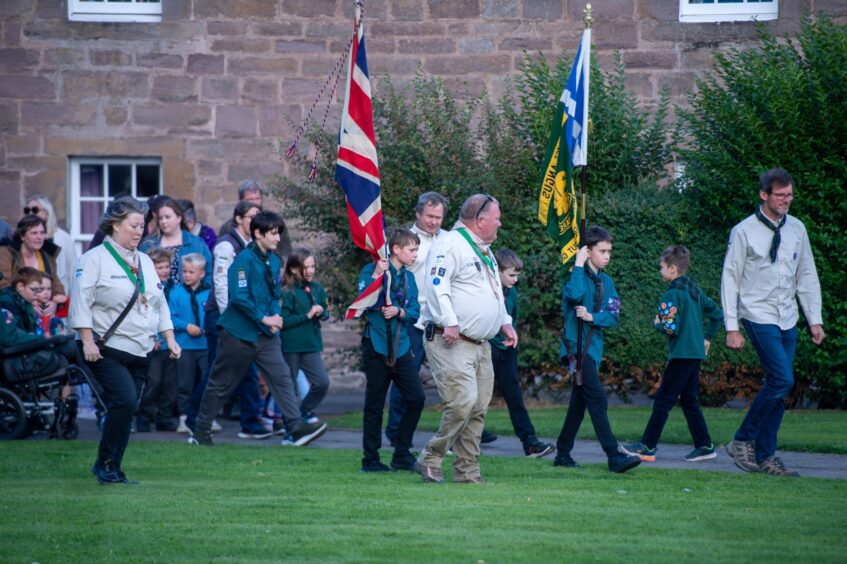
(774, 466)
(620, 462)
(404, 461)
(305, 434)
(202, 437)
(258, 433)
(107, 473)
(375, 466)
(487, 437)
(537, 449)
(565, 461)
(701, 453)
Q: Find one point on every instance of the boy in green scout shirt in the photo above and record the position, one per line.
(681, 311)
(505, 360)
(249, 332)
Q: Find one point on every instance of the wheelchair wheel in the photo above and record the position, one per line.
(13, 419)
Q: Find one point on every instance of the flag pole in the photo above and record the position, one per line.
(578, 374)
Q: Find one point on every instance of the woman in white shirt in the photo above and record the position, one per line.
(103, 284)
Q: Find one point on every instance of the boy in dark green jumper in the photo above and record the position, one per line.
(249, 332)
(681, 311)
(391, 322)
(505, 360)
(590, 297)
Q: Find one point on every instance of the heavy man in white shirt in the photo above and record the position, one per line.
(768, 266)
(429, 214)
(464, 309)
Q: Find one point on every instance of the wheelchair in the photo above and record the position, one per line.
(32, 376)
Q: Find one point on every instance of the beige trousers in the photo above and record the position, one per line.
(464, 376)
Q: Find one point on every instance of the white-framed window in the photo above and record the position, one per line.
(727, 10)
(94, 182)
(115, 10)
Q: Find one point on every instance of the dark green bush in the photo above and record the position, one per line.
(782, 103)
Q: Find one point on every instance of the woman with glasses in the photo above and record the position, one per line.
(39, 205)
(30, 247)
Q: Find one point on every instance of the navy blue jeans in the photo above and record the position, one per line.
(775, 348)
(681, 379)
(506, 375)
(396, 408)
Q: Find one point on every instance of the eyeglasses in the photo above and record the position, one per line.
(488, 198)
(786, 196)
(36, 289)
(33, 209)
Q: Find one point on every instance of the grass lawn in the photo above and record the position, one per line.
(239, 503)
(804, 430)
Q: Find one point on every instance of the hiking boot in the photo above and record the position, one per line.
(106, 472)
(743, 453)
(701, 453)
(564, 460)
(620, 462)
(403, 461)
(774, 466)
(202, 437)
(433, 475)
(487, 437)
(641, 451)
(258, 432)
(305, 434)
(375, 466)
(537, 449)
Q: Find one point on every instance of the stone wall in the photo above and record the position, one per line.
(212, 88)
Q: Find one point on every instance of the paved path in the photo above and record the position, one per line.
(587, 452)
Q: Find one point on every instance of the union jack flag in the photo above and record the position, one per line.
(357, 168)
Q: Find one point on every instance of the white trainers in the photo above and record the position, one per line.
(182, 427)
(216, 427)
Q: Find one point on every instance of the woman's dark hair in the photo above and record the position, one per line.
(27, 222)
(151, 205)
(266, 221)
(295, 265)
(118, 211)
(241, 209)
(168, 202)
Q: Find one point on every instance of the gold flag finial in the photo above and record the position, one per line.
(588, 18)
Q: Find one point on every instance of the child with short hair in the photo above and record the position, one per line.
(303, 308)
(682, 309)
(387, 355)
(505, 360)
(159, 393)
(250, 328)
(188, 315)
(590, 297)
(21, 298)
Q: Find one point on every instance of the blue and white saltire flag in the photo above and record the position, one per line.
(357, 167)
(567, 147)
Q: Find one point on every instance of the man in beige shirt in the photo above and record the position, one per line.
(768, 266)
(464, 308)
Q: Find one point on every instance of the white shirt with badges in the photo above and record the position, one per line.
(101, 289)
(761, 291)
(224, 254)
(419, 268)
(461, 289)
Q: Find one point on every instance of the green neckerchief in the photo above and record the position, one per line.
(123, 264)
(475, 248)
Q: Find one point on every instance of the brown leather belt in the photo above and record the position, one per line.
(440, 331)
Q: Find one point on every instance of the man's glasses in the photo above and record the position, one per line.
(786, 196)
(33, 209)
(488, 198)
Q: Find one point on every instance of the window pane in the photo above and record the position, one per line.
(91, 180)
(146, 181)
(89, 214)
(120, 180)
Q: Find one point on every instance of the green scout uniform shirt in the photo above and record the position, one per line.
(580, 290)
(404, 295)
(254, 293)
(510, 296)
(681, 311)
(299, 333)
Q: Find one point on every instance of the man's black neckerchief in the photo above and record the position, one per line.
(777, 238)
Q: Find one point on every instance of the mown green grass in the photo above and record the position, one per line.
(243, 504)
(804, 431)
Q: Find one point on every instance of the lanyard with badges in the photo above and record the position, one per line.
(490, 270)
(130, 271)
